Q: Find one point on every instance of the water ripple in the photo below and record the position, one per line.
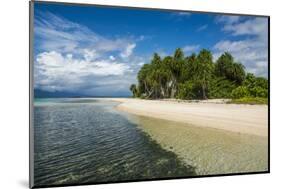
(86, 141)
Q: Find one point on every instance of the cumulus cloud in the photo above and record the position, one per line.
(128, 50)
(190, 48)
(72, 57)
(251, 49)
(256, 26)
(227, 19)
(58, 72)
(111, 57)
(90, 54)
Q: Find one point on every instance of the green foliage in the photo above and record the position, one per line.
(250, 80)
(134, 90)
(240, 92)
(261, 82)
(197, 77)
(203, 69)
(250, 100)
(259, 92)
(226, 67)
(257, 86)
(187, 91)
(223, 65)
(220, 87)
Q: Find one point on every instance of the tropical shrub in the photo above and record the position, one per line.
(240, 92)
(186, 91)
(259, 92)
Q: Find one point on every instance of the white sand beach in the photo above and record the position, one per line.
(248, 119)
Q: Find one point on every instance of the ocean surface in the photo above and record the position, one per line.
(79, 141)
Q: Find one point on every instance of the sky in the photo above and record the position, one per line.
(98, 51)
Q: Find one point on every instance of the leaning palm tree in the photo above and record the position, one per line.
(133, 89)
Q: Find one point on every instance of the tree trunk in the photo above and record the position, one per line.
(149, 94)
(146, 89)
(173, 88)
(204, 92)
(204, 87)
(162, 91)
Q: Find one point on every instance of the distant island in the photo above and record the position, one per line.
(38, 93)
(198, 77)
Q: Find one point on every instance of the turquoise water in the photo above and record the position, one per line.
(88, 141)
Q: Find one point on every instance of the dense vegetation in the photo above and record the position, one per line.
(197, 77)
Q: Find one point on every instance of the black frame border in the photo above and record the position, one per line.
(31, 97)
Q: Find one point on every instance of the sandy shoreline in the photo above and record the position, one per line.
(213, 137)
(247, 119)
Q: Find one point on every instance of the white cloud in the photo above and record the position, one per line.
(72, 57)
(179, 16)
(256, 26)
(246, 51)
(183, 13)
(90, 54)
(55, 33)
(128, 50)
(54, 69)
(190, 48)
(203, 27)
(111, 57)
(227, 19)
(141, 63)
(252, 49)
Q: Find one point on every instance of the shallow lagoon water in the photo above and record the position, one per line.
(88, 141)
(209, 151)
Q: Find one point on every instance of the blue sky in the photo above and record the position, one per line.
(98, 50)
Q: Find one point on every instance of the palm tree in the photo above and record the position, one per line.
(238, 73)
(176, 67)
(133, 89)
(223, 65)
(204, 69)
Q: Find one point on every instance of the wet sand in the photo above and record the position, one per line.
(246, 119)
